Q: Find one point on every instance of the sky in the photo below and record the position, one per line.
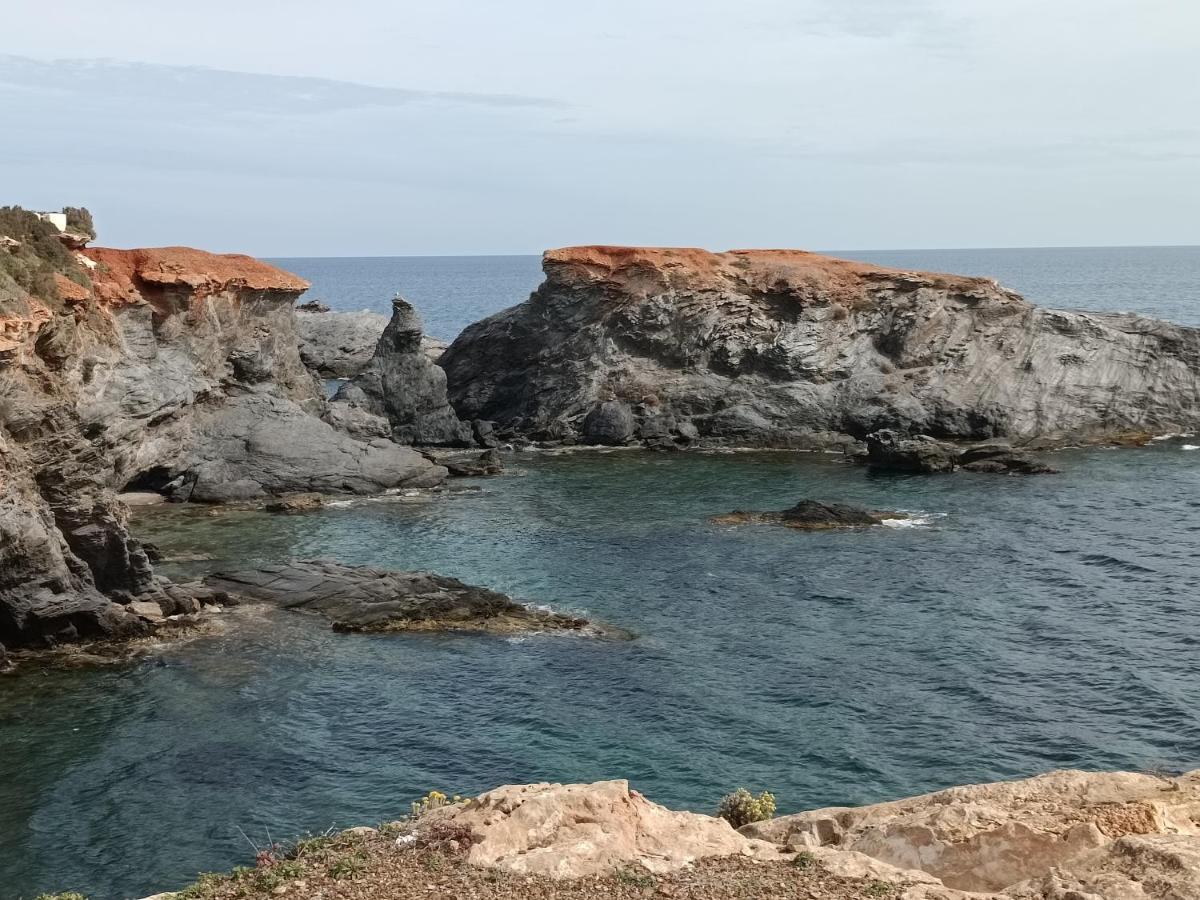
(378, 127)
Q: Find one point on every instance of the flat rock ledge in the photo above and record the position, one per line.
(810, 515)
(364, 599)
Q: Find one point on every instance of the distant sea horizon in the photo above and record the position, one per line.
(453, 290)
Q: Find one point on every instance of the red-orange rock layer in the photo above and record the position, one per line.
(121, 274)
(645, 267)
(69, 291)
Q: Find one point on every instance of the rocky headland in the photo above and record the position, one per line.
(166, 370)
(782, 348)
(1062, 836)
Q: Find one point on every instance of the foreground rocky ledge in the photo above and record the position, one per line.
(781, 348)
(1061, 836)
(363, 599)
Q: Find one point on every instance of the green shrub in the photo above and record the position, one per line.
(80, 221)
(804, 860)
(741, 807)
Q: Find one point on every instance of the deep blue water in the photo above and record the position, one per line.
(1027, 624)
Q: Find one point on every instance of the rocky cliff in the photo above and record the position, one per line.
(791, 349)
(168, 369)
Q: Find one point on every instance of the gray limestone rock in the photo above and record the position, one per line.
(792, 349)
(402, 385)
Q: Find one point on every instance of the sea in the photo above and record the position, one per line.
(1010, 626)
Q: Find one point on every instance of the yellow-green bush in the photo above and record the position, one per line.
(741, 807)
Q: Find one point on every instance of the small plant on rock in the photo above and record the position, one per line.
(741, 807)
(431, 801)
(880, 889)
(804, 860)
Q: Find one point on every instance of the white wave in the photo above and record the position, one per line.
(1190, 447)
(914, 520)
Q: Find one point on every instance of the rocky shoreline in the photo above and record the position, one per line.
(1066, 835)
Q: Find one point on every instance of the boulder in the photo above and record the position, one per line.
(574, 830)
(610, 423)
(889, 452)
(486, 463)
(363, 599)
(1000, 458)
(338, 344)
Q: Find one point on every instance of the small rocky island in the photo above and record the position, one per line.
(810, 515)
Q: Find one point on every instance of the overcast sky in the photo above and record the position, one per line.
(373, 127)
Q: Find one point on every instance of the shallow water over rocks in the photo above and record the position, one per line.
(1012, 626)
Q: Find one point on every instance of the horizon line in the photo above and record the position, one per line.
(410, 255)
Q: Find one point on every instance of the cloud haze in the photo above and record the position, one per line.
(374, 128)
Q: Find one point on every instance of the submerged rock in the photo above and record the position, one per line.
(810, 515)
(297, 503)
(403, 386)
(783, 348)
(363, 599)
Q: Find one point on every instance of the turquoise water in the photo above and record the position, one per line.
(1025, 624)
(1029, 624)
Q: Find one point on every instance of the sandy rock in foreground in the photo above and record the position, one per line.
(572, 830)
(1061, 836)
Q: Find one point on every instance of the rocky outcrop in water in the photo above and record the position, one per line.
(363, 599)
(169, 370)
(790, 349)
(810, 515)
(402, 387)
(888, 451)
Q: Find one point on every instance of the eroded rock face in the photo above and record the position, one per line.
(402, 386)
(338, 344)
(1108, 835)
(791, 349)
(363, 599)
(174, 371)
(572, 830)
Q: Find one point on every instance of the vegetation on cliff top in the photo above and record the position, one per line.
(29, 265)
